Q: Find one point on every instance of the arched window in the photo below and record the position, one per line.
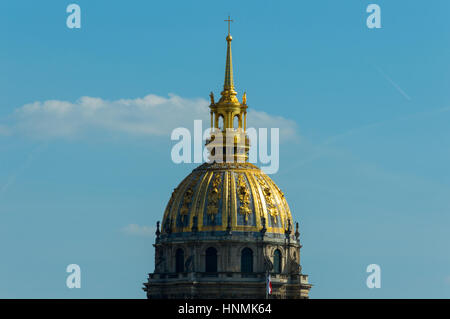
(179, 260)
(247, 260)
(211, 260)
(221, 124)
(236, 122)
(277, 261)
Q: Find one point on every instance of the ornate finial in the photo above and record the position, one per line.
(297, 233)
(157, 230)
(230, 117)
(229, 25)
(244, 98)
(289, 228)
(263, 223)
(229, 94)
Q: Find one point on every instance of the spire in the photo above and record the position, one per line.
(228, 84)
(229, 94)
(228, 141)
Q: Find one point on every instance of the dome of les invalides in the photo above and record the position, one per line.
(227, 197)
(227, 228)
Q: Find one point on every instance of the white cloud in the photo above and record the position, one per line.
(137, 230)
(288, 128)
(151, 115)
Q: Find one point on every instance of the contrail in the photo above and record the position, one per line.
(351, 131)
(399, 89)
(318, 153)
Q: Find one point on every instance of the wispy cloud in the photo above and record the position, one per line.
(137, 230)
(394, 84)
(288, 128)
(151, 115)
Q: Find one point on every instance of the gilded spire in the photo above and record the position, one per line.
(228, 84)
(229, 94)
(228, 141)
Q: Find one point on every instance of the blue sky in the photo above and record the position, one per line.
(364, 164)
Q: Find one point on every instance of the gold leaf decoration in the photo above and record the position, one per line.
(244, 197)
(268, 196)
(214, 197)
(187, 199)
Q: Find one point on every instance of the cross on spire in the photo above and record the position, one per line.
(228, 20)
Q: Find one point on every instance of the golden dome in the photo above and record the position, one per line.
(227, 197)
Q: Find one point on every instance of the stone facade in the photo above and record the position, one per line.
(229, 280)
